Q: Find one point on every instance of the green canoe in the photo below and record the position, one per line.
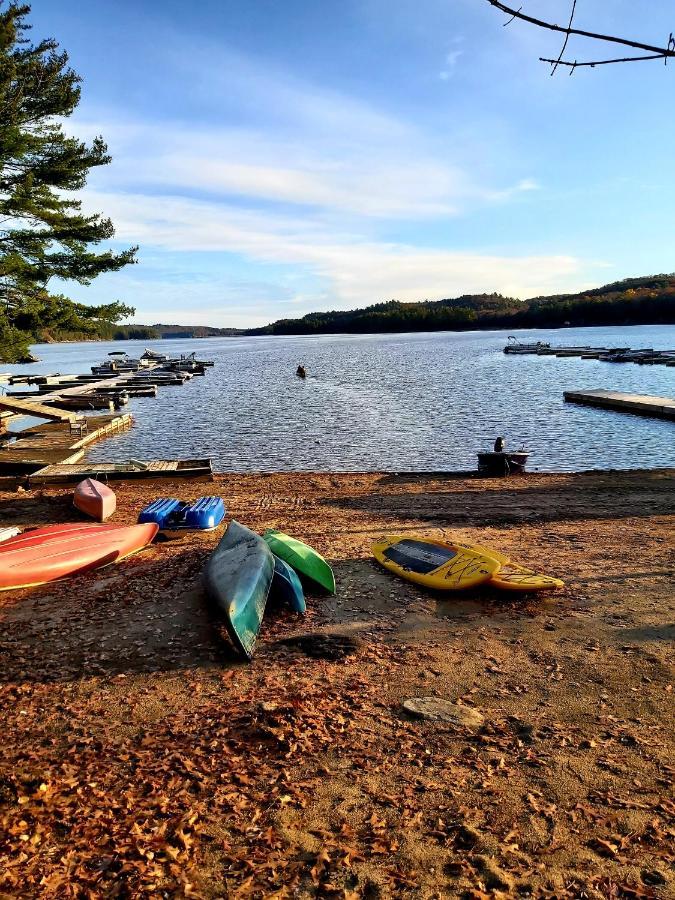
(301, 557)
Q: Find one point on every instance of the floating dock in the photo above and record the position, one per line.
(646, 356)
(56, 442)
(134, 469)
(638, 404)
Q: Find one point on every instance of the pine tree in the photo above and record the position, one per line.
(43, 232)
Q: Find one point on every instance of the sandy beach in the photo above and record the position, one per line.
(140, 759)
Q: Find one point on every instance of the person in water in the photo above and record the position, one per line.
(300, 372)
(499, 445)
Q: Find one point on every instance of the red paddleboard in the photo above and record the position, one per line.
(94, 499)
(47, 554)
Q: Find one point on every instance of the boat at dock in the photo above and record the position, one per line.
(516, 346)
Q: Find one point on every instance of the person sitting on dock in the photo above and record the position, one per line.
(499, 445)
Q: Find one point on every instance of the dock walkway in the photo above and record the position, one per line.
(639, 404)
(56, 442)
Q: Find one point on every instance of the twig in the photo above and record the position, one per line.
(650, 48)
(567, 37)
(598, 62)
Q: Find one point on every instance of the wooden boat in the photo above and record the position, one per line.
(287, 587)
(132, 469)
(94, 499)
(237, 580)
(505, 463)
(172, 515)
(304, 559)
(48, 554)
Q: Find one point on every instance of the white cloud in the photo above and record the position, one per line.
(349, 269)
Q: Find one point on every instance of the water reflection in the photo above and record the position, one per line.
(390, 402)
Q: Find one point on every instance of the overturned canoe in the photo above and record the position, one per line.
(301, 557)
(47, 554)
(237, 580)
(94, 499)
(287, 587)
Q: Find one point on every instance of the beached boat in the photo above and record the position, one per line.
(48, 554)
(7, 533)
(505, 463)
(172, 515)
(441, 565)
(287, 587)
(237, 580)
(304, 559)
(94, 499)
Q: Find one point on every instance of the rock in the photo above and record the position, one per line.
(28, 358)
(438, 710)
(652, 876)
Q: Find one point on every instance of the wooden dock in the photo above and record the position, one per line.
(133, 469)
(25, 407)
(56, 442)
(638, 404)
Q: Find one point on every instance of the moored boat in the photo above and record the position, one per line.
(48, 554)
(94, 499)
(237, 580)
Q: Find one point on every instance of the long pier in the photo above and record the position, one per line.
(646, 356)
(63, 440)
(638, 404)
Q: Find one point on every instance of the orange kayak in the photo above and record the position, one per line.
(94, 499)
(47, 554)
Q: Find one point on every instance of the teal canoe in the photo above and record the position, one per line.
(237, 579)
(287, 587)
(302, 558)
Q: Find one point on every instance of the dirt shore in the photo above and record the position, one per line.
(140, 759)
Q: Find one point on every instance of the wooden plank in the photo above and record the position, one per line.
(639, 404)
(28, 408)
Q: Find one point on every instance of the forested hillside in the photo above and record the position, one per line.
(633, 301)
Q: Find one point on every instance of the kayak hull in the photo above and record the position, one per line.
(94, 499)
(57, 551)
(237, 579)
(287, 587)
(304, 559)
(440, 565)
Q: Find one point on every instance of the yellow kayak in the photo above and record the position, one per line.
(512, 577)
(435, 564)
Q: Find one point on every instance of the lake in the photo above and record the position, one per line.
(402, 402)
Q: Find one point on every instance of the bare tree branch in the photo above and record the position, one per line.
(567, 37)
(654, 52)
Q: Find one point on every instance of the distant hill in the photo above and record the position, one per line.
(153, 332)
(633, 301)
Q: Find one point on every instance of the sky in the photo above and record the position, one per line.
(275, 158)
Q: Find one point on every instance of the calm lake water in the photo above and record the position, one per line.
(404, 402)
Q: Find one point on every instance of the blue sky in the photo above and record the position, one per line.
(276, 158)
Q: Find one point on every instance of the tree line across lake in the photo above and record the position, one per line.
(633, 301)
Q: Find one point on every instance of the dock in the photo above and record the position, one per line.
(65, 473)
(56, 442)
(638, 404)
(645, 356)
